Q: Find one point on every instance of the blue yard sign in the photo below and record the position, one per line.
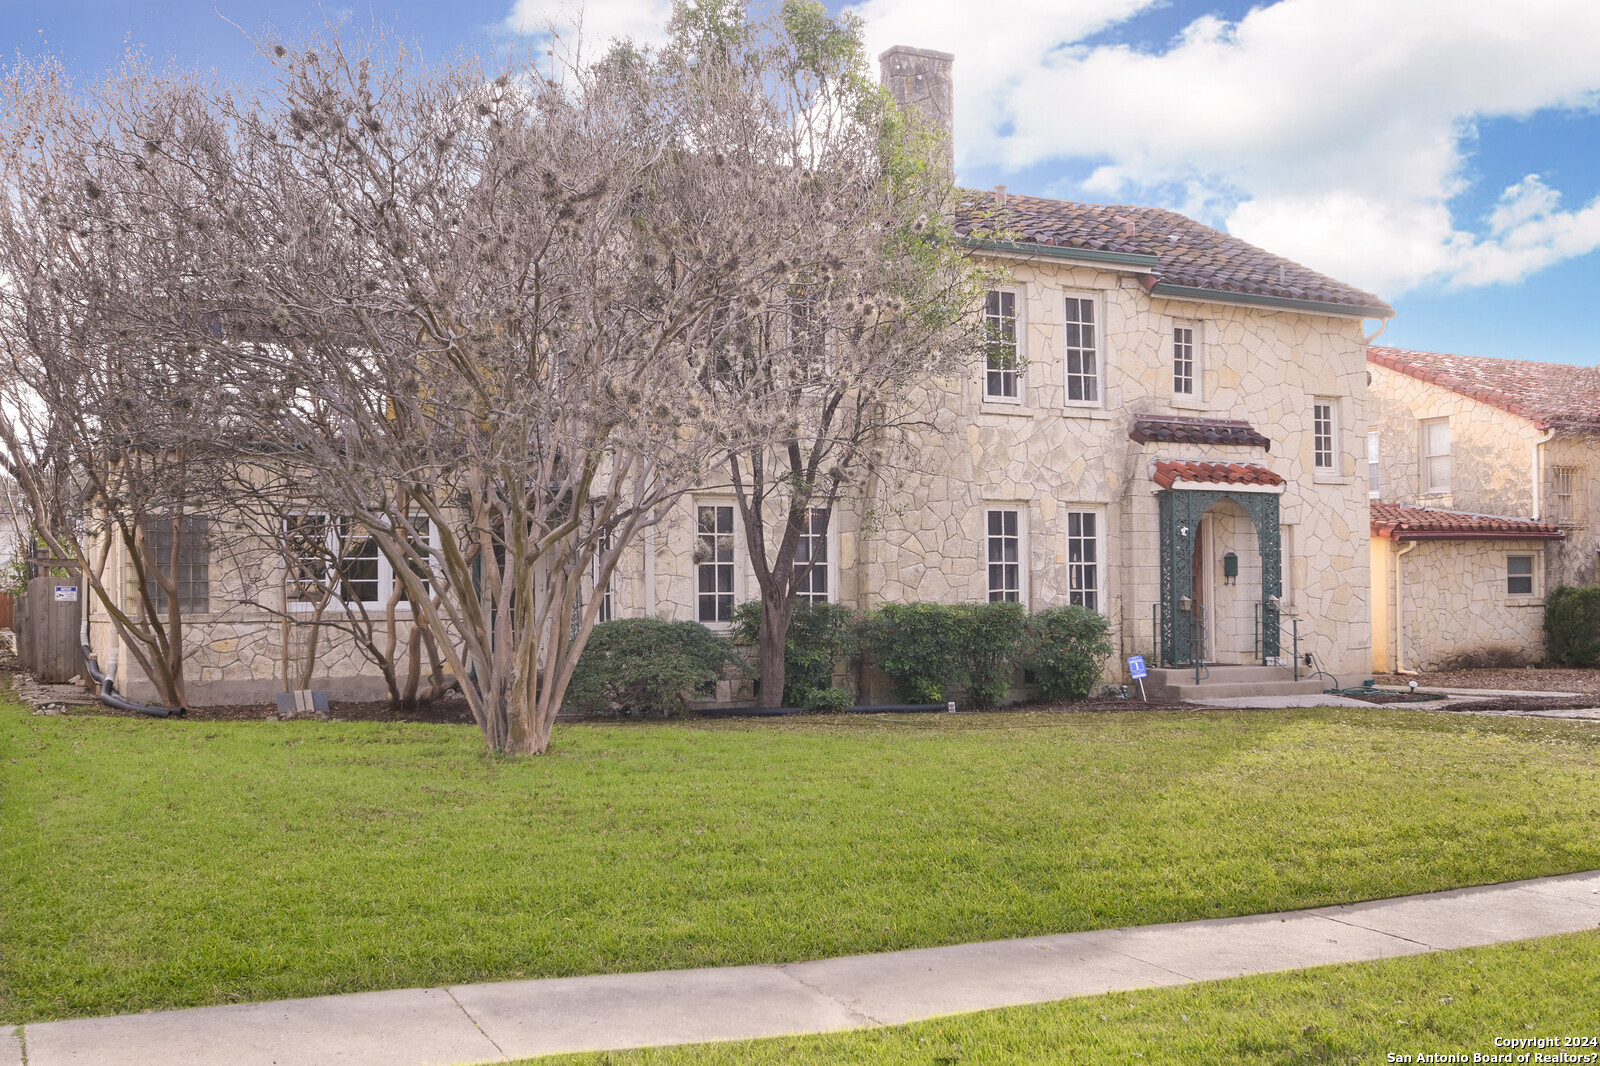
(1136, 669)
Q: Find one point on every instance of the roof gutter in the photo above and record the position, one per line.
(1391, 533)
(1281, 303)
(1027, 250)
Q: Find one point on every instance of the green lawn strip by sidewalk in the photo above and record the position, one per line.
(1452, 1002)
(154, 864)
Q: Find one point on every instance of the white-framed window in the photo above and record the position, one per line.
(346, 561)
(1519, 575)
(812, 559)
(1435, 455)
(1086, 585)
(1185, 360)
(1374, 469)
(714, 566)
(1324, 435)
(1002, 378)
(1082, 351)
(1004, 541)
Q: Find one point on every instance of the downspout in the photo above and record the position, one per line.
(1400, 613)
(1538, 481)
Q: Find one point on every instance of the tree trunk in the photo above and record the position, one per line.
(777, 611)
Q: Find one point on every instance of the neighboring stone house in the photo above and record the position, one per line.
(1491, 436)
(1451, 589)
(1178, 444)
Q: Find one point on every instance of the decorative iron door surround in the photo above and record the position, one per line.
(1181, 511)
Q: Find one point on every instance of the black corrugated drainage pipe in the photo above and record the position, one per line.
(107, 692)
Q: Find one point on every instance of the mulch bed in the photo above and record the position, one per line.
(1514, 704)
(1522, 679)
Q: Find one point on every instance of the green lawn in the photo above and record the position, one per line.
(152, 864)
(1454, 1003)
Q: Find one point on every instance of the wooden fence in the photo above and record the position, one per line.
(46, 625)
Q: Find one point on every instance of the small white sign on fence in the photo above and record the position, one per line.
(66, 594)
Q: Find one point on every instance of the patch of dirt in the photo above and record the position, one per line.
(1381, 697)
(1517, 704)
(445, 712)
(1521, 679)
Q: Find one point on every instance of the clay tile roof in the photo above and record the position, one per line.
(1168, 471)
(1182, 430)
(1395, 522)
(1550, 395)
(1188, 253)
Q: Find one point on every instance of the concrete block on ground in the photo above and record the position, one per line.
(905, 986)
(415, 1027)
(611, 1012)
(10, 1048)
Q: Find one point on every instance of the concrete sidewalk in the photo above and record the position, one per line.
(516, 1019)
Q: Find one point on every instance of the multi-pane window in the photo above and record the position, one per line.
(1183, 360)
(1083, 353)
(1436, 455)
(1374, 471)
(1003, 373)
(1083, 559)
(714, 561)
(1322, 435)
(341, 558)
(1519, 575)
(811, 558)
(1564, 494)
(1005, 557)
(192, 574)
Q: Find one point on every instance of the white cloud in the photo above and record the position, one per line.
(1332, 131)
(599, 21)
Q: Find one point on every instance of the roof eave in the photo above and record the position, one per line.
(1137, 261)
(1391, 533)
(1281, 303)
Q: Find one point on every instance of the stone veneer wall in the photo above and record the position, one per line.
(1455, 609)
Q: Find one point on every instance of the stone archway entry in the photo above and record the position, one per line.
(1188, 492)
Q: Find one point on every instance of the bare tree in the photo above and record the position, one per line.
(110, 416)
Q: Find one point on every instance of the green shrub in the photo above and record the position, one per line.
(934, 651)
(1066, 648)
(832, 700)
(1572, 625)
(645, 664)
(821, 636)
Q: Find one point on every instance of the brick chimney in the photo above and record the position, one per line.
(919, 80)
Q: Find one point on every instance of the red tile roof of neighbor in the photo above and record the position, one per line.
(1550, 395)
(1395, 522)
(1187, 253)
(1169, 429)
(1167, 471)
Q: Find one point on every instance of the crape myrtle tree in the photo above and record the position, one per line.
(832, 363)
(480, 316)
(111, 420)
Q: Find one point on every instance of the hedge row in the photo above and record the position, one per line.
(1572, 626)
(933, 652)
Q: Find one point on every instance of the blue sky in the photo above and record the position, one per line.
(1445, 155)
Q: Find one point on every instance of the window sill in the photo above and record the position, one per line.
(1006, 409)
(1086, 412)
(1320, 477)
(1189, 403)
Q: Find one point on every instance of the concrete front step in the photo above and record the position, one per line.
(1228, 682)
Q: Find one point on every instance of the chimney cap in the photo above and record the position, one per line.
(906, 49)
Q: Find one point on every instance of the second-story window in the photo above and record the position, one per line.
(1083, 352)
(1003, 370)
(714, 560)
(1183, 361)
(1436, 455)
(1322, 435)
(1374, 469)
(1564, 481)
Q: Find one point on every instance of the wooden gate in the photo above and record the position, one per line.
(7, 617)
(47, 629)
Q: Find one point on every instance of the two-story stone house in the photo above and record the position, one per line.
(1175, 439)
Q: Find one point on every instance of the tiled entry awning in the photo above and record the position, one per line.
(1176, 474)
